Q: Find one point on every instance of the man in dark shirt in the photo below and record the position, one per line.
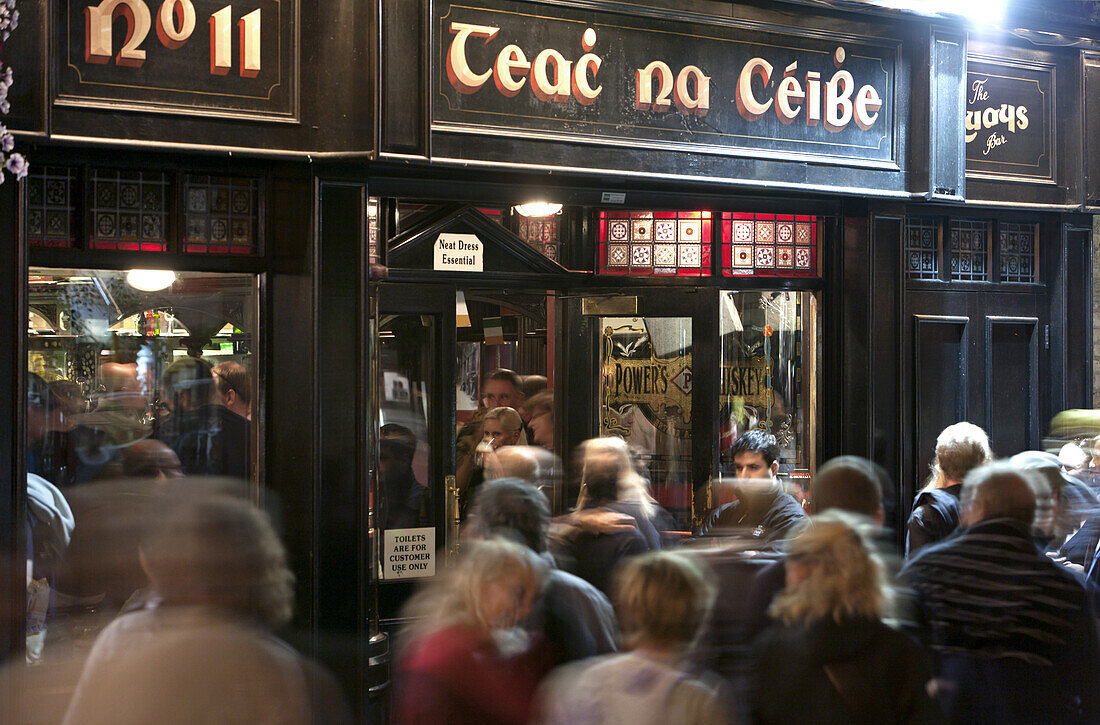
(209, 438)
(763, 511)
(1011, 630)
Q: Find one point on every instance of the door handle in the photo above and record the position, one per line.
(452, 516)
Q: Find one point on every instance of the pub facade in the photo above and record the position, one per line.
(850, 228)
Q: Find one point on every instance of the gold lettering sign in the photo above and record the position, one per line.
(748, 380)
(660, 387)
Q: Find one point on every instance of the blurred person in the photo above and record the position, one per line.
(116, 409)
(851, 667)
(763, 511)
(537, 466)
(203, 651)
(234, 387)
(610, 457)
(960, 448)
(404, 501)
(662, 599)
(1063, 504)
(575, 617)
(500, 427)
(1011, 631)
(540, 409)
(209, 438)
(532, 385)
(465, 658)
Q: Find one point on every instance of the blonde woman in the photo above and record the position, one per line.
(662, 599)
(465, 658)
(829, 658)
(501, 427)
(960, 448)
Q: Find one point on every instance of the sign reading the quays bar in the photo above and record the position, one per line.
(211, 57)
(529, 69)
(1008, 119)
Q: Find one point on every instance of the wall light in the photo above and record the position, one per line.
(150, 280)
(537, 208)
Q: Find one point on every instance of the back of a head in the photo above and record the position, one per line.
(604, 461)
(999, 490)
(849, 483)
(221, 551)
(512, 508)
(533, 385)
(961, 448)
(190, 375)
(843, 574)
(757, 441)
(663, 598)
(234, 376)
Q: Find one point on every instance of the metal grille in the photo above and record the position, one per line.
(969, 250)
(922, 249)
(1016, 246)
(129, 210)
(51, 212)
(221, 215)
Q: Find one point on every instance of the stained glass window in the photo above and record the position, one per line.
(769, 245)
(655, 243)
(969, 250)
(1016, 246)
(922, 248)
(51, 211)
(542, 233)
(221, 214)
(129, 210)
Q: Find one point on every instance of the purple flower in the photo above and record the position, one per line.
(7, 77)
(17, 165)
(7, 142)
(5, 106)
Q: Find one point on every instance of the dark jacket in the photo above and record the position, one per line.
(935, 515)
(769, 516)
(596, 555)
(856, 671)
(210, 440)
(1011, 631)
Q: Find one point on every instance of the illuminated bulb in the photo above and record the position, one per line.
(537, 208)
(150, 280)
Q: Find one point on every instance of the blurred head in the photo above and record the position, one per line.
(532, 386)
(503, 388)
(832, 572)
(188, 383)
(41, 405)
(608, 474)
(234, 387)
(496, 583)
(755, 455)
(397, 448)
(998, 490)
(540, 409)
(1072, 457)
(849, 483)
(960, 448)
(150, 458)
(511, 508)
(505, 427)
(662, 599)
(121, 386)
(220, 551)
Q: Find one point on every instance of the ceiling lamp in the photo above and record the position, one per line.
(537, 208)
(150, 280)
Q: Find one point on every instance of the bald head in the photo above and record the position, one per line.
(998, 490)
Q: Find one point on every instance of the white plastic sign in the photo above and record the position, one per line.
(459, 253)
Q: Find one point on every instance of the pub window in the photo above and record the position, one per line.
(969, 250)
(769, 245)
(542, 233)
(372, 230)
(221, 215)
(1016, 247)
(922, 248)
(128, 210)
(51, 209)
(655, 243)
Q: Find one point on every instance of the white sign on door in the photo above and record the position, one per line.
(408, 553)
(459, 253)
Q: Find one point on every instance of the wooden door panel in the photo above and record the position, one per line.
(940, 367)
(1011, 383)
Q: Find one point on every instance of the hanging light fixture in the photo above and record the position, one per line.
(537, 208)
(150, 280)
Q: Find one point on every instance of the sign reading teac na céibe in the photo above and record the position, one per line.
(408, 553)
(459, 253)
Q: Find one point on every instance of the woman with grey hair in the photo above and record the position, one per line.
(202, 651)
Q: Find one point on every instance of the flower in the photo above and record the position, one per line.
(5, 106)
(7, 143)
(7, 78)
(17, 165)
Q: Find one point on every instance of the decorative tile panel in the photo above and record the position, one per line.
(1017, 249)
(128, 210)
(655, 243)
(969, 250)
(541, 233)
(765, 245)
(221, 215)
(921, 250)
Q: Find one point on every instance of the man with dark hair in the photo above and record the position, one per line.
(575, 616)
(234, 387)
(763, 511)
(1011, 631)
(209, 438)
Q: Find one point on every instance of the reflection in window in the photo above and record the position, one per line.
(645, 398)
(767, 374)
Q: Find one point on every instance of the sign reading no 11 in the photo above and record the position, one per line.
(175, 23)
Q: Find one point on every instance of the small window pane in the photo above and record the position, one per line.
(220, 215)
(542, 233)
(1016, 246)
(50, 206)
(655, 243)
(129, 210)
(769, 245)
(969, 250)
(921, 248)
